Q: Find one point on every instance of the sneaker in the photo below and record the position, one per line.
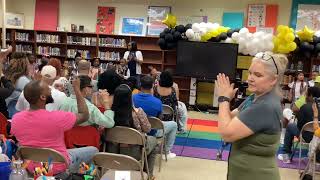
(181, 132)
(170, 155)
(284, 158)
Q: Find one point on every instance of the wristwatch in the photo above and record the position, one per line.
(223, 99)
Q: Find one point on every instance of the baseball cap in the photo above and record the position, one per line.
(49, 72)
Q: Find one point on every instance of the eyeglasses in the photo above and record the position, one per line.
(267, 57)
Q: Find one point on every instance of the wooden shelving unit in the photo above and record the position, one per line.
(95, 45)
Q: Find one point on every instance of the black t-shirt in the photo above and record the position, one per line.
(304, 116)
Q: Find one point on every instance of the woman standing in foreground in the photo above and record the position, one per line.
(254, 128)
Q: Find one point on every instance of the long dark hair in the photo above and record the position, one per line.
(134, 46)
(122, 106)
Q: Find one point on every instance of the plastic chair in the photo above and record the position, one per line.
(117, 162)
(156, 123)
(126, 135)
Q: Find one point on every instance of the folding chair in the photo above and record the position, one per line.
(156, 123)
(41, 155)
(125, 135)
(168, 110)
(113, 162)
(308, 127)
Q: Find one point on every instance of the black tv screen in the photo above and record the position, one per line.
(206, 59)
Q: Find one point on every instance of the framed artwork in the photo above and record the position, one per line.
(155, 16)
(295, 8)
(134, 26)
(14, 20)
(308, 15)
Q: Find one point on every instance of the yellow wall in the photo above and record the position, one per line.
(83, 12)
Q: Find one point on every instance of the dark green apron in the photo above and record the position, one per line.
(253, 158)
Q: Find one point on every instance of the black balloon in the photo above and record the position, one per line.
(166, 30)
(177, 36)
(168, 37)
(180, 28)
(162, 34)
(172, 31)
(307, 54)
(171, 45)
(304, 46)
(236, 30)
(188, 26)
(317, 48)
(214, 39)
(316, 39)
(297, 41)
(223, 36)
(162, 43)
(230, 32)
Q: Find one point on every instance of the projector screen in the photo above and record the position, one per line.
(206, 59)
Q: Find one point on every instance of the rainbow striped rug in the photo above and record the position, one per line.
(202, 140)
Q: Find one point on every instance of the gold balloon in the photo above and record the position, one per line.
(170, 20)
(306, 34)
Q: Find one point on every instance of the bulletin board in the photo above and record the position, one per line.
(105, 20)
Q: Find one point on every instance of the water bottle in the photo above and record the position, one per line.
(18, 173)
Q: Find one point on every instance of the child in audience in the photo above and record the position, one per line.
(122, 69)
(95, 69)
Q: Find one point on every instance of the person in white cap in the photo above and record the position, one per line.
(48, 74)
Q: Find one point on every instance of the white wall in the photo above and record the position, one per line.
(83, 12)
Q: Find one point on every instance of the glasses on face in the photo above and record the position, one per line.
(267, 57)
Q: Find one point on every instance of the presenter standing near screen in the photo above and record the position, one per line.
(134, 60)
(253, 128)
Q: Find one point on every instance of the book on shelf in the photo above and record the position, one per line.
(22, 36)
(48, 38)
(111, 56)
(112, 42)
(24, 48)
(89, 41)
(84, 53)
(53, 51)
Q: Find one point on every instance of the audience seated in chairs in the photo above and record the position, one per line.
(49, 74)
(152, 106)
(128, 116)
(304, 115)
(38, 127)
(96, 117)
(109, 81)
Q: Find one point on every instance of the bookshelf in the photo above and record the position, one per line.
(109, 47)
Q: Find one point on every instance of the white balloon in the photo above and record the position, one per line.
(268, 37)
(203, 31)
(235, 36)
(190, 34)
(250, 46)
(228, 40)
(196, 27)
(317, 33)
(255, 42)
(269, 46)
(242, 41)
(216, 25)
(249, 35)
(244, 30)
(197, 37)
(203, 25)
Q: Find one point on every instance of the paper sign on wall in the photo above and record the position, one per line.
(262, 16)
(233, 20)
(105, 20)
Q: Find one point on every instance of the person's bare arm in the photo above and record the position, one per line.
(83, 113)
(176, 89)
(234, 113)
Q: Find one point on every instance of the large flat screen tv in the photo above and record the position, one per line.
(206, 59)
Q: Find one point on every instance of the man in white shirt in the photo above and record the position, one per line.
(48, 74)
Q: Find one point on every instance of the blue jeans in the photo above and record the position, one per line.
(170, 131)
(79, 155)
(291, 131)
